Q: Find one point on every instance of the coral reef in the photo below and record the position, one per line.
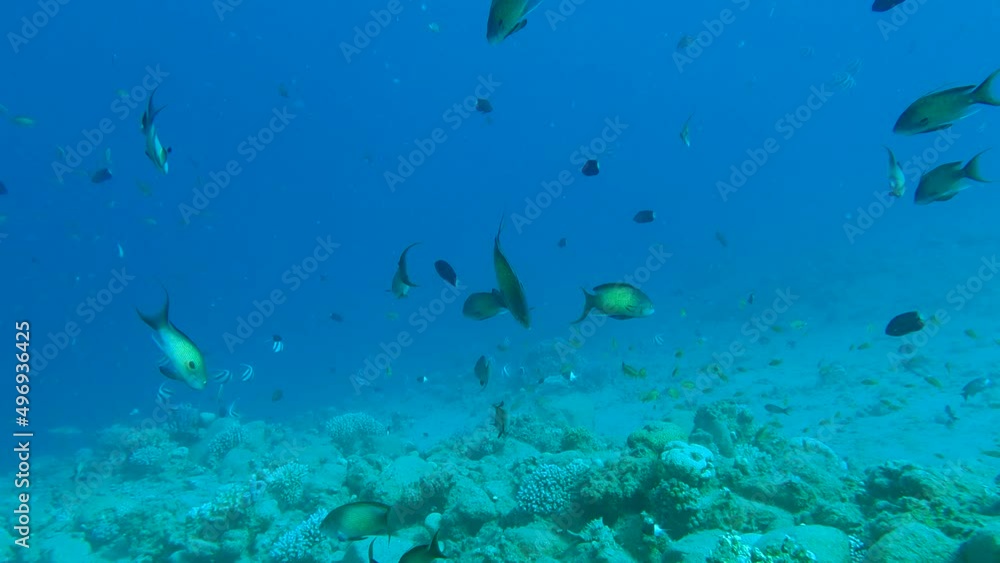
(285, 483)
(549, 489)
(353, 430)
(297, 544)
(732, 490)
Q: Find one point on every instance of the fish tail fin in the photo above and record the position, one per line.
(588, 304)
(434, 550)
(972, 169)
(159, 319)
(984, 93)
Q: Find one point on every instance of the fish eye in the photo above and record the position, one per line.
(925, 121)
(191, 365)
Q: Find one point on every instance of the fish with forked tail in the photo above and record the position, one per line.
(947, 180)
(184, 361)
(401, 282)
(617, 300)
(424, 553)
(155, 150)
(939, 110)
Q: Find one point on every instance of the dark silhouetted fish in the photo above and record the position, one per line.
(775, 409)
(885, 5)
(483, 368)
(644, 216)
(904, 324)
(976, 386)
(591, 168)
(424, 553)
(500, 419)
(446, 272)
(102, 175)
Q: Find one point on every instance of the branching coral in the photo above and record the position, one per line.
(285, 483)
(297, 544)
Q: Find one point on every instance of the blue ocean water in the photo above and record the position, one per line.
(317, 109)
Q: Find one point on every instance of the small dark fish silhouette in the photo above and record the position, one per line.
(750, 299)
(336, 317)
(904, 324)
(721, 238)
(500, 419)
(3, 189)
(591, 168)
(561, 243)
(775, 409)
(483, 368)
(277, 395)
(446, 272)
(644, 216)
(950, 413)
(102, 175)
(976, 386)
(885, 5)
(483, 105)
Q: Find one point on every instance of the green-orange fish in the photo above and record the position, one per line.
(357, 520)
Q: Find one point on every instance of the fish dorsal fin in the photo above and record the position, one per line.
(951, 90)
(614, 285)
(529, 7)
